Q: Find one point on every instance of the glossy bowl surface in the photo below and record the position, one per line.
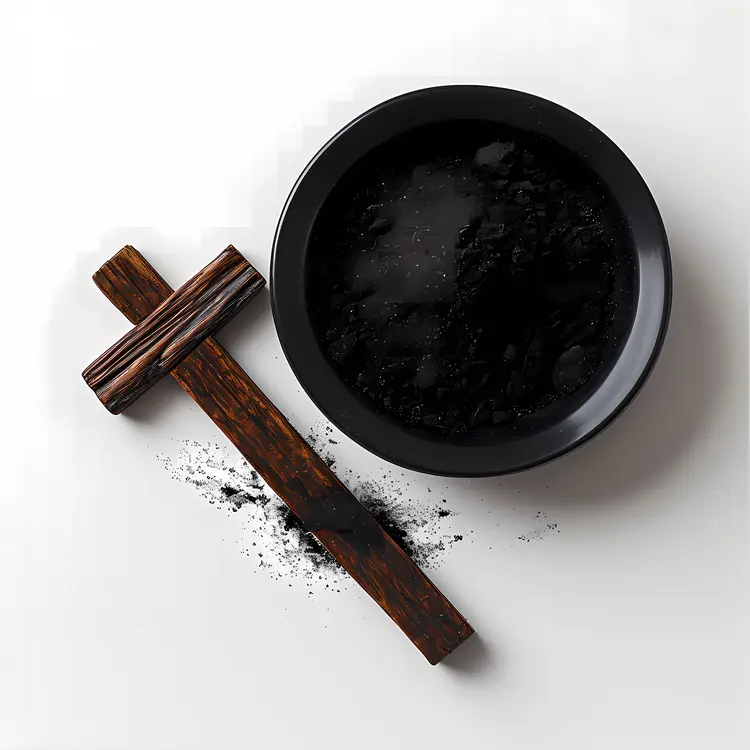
(490, 452)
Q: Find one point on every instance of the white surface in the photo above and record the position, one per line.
(125, 619)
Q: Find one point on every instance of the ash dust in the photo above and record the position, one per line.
(279, 546)
(272, 536)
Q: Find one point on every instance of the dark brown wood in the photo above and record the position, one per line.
(294, 471)
(175, 328)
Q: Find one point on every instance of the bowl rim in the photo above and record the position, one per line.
(376, 432)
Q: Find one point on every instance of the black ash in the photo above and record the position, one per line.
(274, 538)
(468, 291)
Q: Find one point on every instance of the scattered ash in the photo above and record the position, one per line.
(319, 437)
(273, 537)
(419, 519)
(545, 528)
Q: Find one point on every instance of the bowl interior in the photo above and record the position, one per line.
(453, 270)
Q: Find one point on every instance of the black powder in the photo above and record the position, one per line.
(275, 538)
(467, 290)
(309, 543)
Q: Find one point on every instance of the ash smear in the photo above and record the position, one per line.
(275, 540)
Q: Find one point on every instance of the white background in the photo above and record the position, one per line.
(126, 620)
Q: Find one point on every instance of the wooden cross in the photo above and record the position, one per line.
(172, 335)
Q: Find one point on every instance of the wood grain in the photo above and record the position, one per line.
(172, 330)
(295, 472)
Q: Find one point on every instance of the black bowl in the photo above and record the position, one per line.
(464, 115)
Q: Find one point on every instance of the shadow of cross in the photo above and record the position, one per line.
(172, 335)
